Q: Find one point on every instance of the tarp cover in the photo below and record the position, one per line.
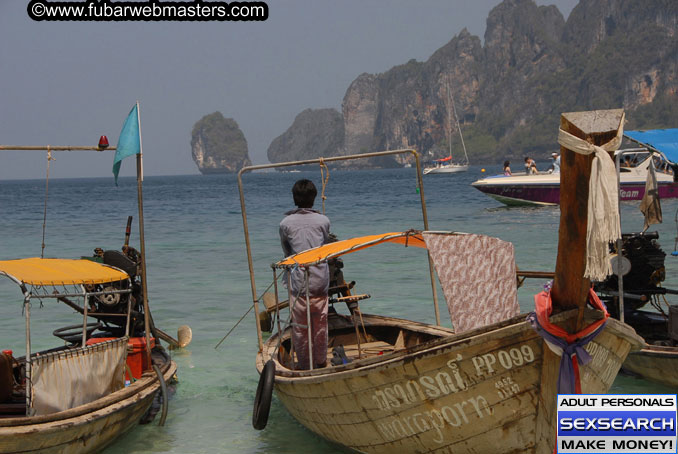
(664, 140)
(478, 277)
(37, 271)
(67, 379)
(338, 248)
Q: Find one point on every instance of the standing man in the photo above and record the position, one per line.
(304, 228)
(555, 167)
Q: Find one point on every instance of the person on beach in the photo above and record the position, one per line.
(507, 169)
(304, 228)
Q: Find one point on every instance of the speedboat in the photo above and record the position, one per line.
(544, 188)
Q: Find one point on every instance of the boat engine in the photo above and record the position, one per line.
(642, 285)
(646, 272)
(116, 303)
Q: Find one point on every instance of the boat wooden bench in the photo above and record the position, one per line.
(367, 349)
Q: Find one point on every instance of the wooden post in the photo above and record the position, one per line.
(570, 288)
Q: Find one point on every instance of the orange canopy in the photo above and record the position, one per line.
(338, 248)
(37, 271)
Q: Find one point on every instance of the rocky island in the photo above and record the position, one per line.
(315, 132)
(218, 145)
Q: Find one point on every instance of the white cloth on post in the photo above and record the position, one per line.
(603, 224)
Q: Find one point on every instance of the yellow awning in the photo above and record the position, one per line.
(37, 271)
(338, 248)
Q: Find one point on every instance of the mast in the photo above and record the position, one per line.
(454, 111)
(570, 287)
(142, 242)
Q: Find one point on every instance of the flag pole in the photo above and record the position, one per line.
(142, 241)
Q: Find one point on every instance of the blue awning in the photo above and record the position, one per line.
(664, 140)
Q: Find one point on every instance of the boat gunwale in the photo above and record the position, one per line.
(657, 350)
(506, 328)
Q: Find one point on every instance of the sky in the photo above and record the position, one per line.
(67, 83)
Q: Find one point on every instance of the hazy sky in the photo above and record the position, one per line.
(67, 83)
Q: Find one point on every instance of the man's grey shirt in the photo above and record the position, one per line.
(303, 229)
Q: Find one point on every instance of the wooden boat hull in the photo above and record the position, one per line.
(655, 363)
(85, 429)
(489, 390)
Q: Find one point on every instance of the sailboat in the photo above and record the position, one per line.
(445, 165)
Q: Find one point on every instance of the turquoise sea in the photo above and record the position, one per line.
(198, 275)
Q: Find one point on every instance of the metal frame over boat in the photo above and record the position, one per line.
(404, 386)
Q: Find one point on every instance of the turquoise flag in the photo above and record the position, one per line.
(129, 142)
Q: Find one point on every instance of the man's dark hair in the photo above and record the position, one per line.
(304, 193)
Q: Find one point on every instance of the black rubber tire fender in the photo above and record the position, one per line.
(262, 400)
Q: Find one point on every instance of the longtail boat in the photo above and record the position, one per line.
(103, 380)
(488, 386)
(81, 396)
(638, 284)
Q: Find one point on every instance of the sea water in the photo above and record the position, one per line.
(198, 274)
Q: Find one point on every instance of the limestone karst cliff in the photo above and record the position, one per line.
(314, 133)
(218, 145)
(510, 90)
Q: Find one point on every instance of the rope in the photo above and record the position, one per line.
(324, 179)
(44, 216)
(243, 316)
(603, 221)
(235, 326)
